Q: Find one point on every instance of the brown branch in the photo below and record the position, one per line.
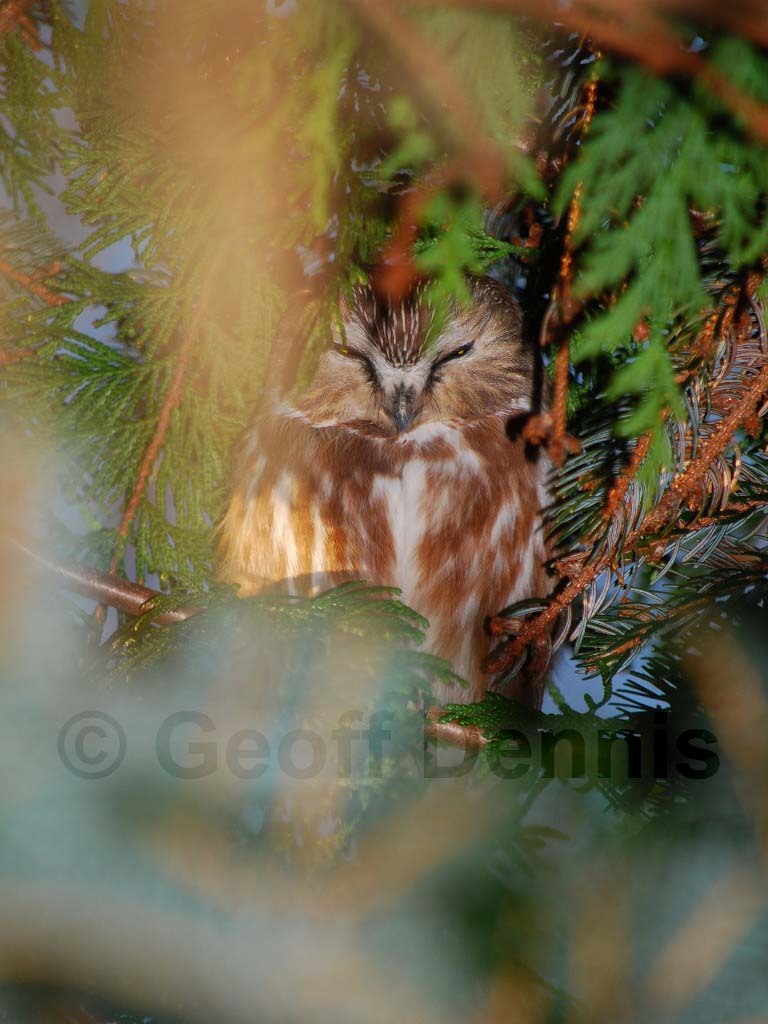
(172, 400)
(557, 444)
(618, 491)
(732, 508)
(648, 42)
(653, 620)
(15, 356)
(15, 14)
(642, 36)
(396, 274)
(32, 284)
(581, 569)
(717, 324)
(742, 17)
(566, 311)
(569, 565)
(539, 624)
(468, 736)
(552, 428)
(428, 65)
(481, 162)
(132, 598)
(692, 477)
(135, 599)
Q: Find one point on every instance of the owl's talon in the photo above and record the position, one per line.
(501, 626)
(538, 429)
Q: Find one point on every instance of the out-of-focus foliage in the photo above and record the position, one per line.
(292, 848)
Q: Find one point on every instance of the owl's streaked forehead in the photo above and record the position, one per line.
(401, 332)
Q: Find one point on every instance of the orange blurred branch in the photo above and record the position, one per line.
(427, 64)
(634, 29)
(15, 356)
(15, 14)
(32, 284)
(172, 400)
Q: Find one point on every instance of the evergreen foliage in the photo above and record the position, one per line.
(257, 161)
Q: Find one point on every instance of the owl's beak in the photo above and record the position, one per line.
(403, 408)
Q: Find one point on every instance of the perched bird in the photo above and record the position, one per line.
(402, 464)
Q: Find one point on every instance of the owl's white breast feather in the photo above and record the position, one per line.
(505, 520)
(283, 536)
(404, 497)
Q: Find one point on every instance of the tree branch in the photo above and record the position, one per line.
(428, 65)
(15, 356)
(583, 568)
(15, 14)
(694, 474)
(468, 736)
(33, 285)
(132, 598)
(172, 400)
(643, 36)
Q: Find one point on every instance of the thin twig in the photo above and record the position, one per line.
(428, 65)
(15, 14)
(32, 284)
(172, 400)
(621, 485)
(644, 37)
(692, 477)
(652, 621)
(551, 428)
(15, 356)
(582, 568)
(396, 274)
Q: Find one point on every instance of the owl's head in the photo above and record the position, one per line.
(394, 368)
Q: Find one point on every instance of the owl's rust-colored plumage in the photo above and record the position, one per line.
(399, 465)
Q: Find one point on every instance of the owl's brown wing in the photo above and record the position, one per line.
(299, 505)
(268, 534)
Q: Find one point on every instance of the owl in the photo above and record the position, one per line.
(403, 464)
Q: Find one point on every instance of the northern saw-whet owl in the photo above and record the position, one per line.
(399, 465)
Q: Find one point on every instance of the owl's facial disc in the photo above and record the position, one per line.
(407, 389)
(391, 371)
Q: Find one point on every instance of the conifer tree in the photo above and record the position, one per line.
(608, 161)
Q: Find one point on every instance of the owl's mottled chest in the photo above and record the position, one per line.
(450, 516)
(421, 503)
(403, 498)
